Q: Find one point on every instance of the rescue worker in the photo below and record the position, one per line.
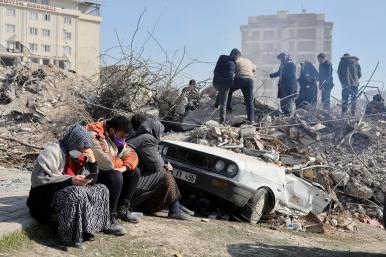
(223, 80)
(326, 82)
(287, 86)
(244, 74)
(308, 94)
(349, 72)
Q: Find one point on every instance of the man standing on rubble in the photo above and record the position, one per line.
(308, 93)
(245, 70)
(287, 86)
(326, 82)
(223, 80)
(349, 72)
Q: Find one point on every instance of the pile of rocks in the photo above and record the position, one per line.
(37, 104)
(352, 151)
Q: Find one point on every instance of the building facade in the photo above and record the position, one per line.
(64, 33)
(303, 36)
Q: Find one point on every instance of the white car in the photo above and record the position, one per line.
(254, 186)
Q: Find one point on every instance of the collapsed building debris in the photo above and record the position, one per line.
(37, 104)
(343, 155)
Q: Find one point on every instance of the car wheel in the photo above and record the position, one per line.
(256, 207)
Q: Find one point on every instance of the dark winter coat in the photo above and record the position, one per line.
(145, 142)
(325, 75)
(349, 71)
(308, 93)
(287, 79)
(224, 72)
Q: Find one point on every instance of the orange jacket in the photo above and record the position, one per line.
(106, 152)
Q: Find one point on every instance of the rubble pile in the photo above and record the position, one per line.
(348, 154)
(37, 104)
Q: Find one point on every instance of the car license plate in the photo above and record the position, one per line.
(189, 177)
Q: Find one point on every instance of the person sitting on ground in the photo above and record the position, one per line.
(118, 166)
(136, 120)
(376, 106)
(156, 189)
(62, 196)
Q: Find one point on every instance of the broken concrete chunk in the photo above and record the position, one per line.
(340, 177)
(216, 132)
(247, 131)
(359, 189)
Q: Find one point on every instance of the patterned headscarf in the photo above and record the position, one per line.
(76, 138)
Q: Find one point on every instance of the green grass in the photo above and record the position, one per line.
(13, 241)
(22, 239)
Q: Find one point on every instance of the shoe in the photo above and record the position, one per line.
(79, 245)
(115, 229)
(88, 237)
(186, 210)
(132, 217)
(179, 216)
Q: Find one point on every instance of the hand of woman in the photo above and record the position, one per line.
(79, 180)
(122, 169)
(168, 167)
(90, 154)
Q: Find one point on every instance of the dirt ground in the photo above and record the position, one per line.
(159, 236)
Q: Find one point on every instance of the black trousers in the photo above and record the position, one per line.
(113, 180)
(246, 86)
(121, 185)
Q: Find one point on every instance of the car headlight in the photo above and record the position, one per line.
(220, 165)
(165, 150)
(232, 170)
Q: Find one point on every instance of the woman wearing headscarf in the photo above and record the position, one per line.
(156, 189)
(63, 192)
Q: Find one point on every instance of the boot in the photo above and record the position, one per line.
(125, 214)
(115, 229)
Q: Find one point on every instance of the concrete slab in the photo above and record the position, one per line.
(14, 189)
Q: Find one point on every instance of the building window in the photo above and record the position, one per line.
(11, 45)
(33, 31)
(33, 47)
(46, 48)
(67, 50)
(33, 1)
(67, 20)
(46, 17)
(33, 15)
(11, 28)
(11, 12)
(45, 2)
(46, 32)
(67, 35)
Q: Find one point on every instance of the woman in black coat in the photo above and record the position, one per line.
(156, 189)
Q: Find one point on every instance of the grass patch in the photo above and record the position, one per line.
(24, 238)
(13, 241)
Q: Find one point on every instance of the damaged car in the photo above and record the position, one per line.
(254, 186)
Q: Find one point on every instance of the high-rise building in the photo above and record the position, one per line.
(303, 36)
(64, 33)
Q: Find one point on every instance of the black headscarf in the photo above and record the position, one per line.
(152, 127)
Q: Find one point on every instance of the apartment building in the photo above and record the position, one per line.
(64, 33)
(303, 36)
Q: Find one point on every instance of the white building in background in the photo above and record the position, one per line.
(303, 36)
(65, 33)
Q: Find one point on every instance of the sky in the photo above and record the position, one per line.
(209, 28)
